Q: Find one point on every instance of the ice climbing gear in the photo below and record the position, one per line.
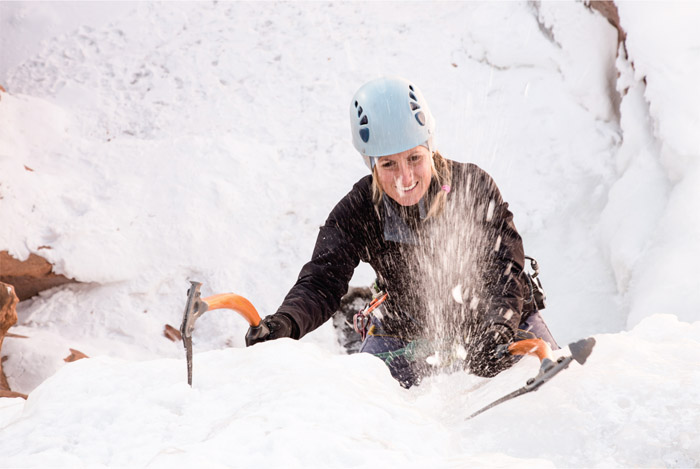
(580, 351)
(362, 318)
(536, 300)
(196, 306)
(389, 115)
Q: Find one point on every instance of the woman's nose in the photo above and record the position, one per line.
(406, 174)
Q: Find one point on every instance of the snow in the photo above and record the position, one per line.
(144, 145)
(115, 412)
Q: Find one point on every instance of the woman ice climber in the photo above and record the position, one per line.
(440, 239)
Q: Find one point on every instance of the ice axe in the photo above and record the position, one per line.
(549, 367)
(196, 306)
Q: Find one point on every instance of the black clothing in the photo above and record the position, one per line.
(471, 250)
(275, 326)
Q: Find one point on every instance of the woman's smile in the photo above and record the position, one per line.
(406, 189)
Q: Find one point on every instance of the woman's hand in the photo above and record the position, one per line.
(487, 357)
(272, 327)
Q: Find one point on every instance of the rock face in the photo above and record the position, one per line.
(20, 280)
(8, 317)
(29, 277)
(75, 355)
(609, 11)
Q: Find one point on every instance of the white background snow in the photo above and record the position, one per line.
(143, 145)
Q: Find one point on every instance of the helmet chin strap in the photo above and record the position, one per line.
(429, 145)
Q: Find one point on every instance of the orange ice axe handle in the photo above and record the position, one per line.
(237, 303)
(536, 347)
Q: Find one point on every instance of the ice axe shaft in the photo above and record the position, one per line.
(196, 306)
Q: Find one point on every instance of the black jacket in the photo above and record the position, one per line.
(471, 249)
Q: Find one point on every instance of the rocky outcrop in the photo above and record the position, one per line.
(20, 280)
(8, 317)
(609, 11)
(12, 394)
(75, 355)
(29, 277)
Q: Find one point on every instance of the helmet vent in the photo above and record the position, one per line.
(420, 116)
(364, 134)
(364, 120)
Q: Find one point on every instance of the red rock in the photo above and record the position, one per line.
(75, 355)
(12, 394)
(609, 11)
(29, 277)
(8, 318)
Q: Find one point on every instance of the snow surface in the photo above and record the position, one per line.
(143, 145)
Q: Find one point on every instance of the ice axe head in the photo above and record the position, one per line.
(581, 349)
(194, 308)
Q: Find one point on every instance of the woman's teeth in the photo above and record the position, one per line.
(406, 189)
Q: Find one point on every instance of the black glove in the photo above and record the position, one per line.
(489, 354)
(272, 327)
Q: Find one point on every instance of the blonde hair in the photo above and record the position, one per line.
(441, 171)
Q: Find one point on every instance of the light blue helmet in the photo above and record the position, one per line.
(389, 115)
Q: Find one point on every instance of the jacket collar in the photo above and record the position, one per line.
(400, 223)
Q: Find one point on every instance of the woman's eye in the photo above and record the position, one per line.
(388, 165)
(414, 158)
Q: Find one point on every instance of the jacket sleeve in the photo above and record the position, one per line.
(503, 260)
(324, 280)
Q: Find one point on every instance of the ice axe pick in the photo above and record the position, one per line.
(196, 306)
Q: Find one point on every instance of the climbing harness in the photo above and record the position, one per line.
(362, 318)
(537, 299)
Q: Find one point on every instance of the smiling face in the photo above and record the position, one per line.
(405, 176)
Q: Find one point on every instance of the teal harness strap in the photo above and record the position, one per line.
(408, 352)
(419, 349)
